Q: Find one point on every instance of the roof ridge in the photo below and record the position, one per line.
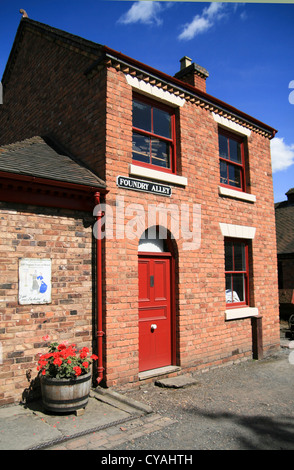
(20, 143)
(60, 32)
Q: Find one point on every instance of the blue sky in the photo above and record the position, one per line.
(247, 48)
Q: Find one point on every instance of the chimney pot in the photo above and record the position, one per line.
(185, 62)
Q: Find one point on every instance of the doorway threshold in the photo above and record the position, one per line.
(147, 374)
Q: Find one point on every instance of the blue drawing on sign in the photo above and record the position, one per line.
(43, 286)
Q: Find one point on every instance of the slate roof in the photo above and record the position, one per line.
(285, 225)
(41, 158)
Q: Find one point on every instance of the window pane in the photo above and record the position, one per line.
(229, 288)
(229, 256)
(223, 172)
(142, 116)
(160, 153)
(238, 287)
(141, 148)
(223, 146)
(161, 123)
(239, 257)
(234, 176)
(235, 151)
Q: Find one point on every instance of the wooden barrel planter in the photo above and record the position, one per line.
(65, 395)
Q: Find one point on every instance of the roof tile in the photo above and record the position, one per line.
(41, 158)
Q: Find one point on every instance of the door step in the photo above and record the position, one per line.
(147, 374)
(180, 381)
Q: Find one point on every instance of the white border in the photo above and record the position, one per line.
(241, 312)
(237, 231)
(137, 170)
(233, 126)
(236, 194)
(155, 92)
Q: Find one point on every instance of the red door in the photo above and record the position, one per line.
(155, 342)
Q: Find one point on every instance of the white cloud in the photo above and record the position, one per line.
(142, 12)
(202, 23)
(282, 154)
(214, 9)
(197, 26)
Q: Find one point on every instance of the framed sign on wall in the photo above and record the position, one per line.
(34, 281)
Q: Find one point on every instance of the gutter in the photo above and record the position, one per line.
(99, 311)
(50, 182)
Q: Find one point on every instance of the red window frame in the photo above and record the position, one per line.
(241, 166)
(233, 271)
(171, 142)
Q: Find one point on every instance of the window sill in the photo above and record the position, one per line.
(236, 194)
(136, 170)
(241, 312)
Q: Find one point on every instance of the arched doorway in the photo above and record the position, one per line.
(156, 306)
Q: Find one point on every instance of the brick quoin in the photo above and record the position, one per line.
(54, 89)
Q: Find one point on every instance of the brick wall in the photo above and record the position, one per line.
(204, 338)
(92, 117)
(55, 97)
(66, 238)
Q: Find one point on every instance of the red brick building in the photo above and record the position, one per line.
(81, 123)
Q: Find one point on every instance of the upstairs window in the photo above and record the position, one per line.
(237, 272)
(153, 135)
(232, 161)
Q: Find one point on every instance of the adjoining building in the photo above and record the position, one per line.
(285, 246)
(136, 216)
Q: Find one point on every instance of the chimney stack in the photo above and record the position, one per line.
(290, 196)
(192, 73)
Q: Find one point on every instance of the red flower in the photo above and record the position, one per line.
(46, 356)
(57, 361)
(84, 353)
(77, 370)
(42, 363)
(71, 351)
(64, 354)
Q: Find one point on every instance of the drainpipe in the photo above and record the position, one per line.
(100, 333)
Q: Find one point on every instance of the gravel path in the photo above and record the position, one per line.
(245, 406)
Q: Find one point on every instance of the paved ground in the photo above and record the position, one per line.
(31, 427)
(246, 406)
(243, 406)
